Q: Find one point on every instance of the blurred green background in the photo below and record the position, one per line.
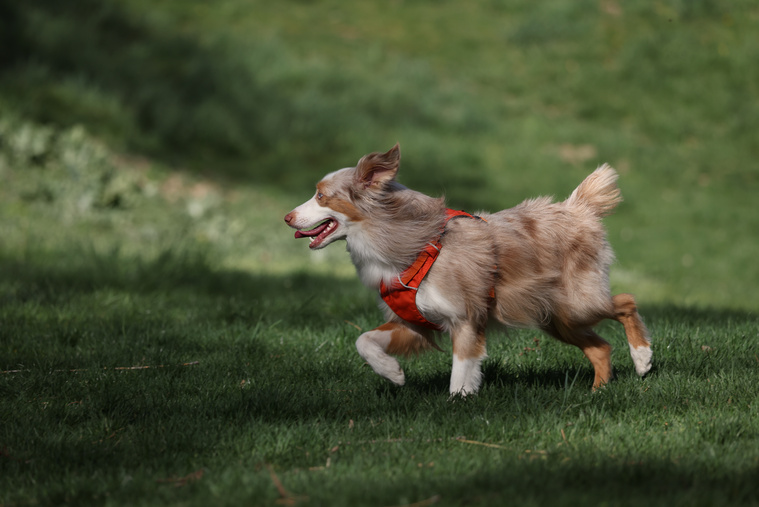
(143, 127)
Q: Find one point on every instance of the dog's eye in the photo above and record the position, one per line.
(319, 196)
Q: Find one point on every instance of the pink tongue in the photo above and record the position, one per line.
(313, 232)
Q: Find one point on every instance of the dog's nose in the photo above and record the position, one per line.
(289, 218)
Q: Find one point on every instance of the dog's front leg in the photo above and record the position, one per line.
(375, 347)
(468, 353)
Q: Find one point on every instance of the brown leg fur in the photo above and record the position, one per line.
(406, 342)
(469, 341)
(626, 312)
(598, 350)
(595, 348)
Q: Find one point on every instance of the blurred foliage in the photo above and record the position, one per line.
(72, 169)
(71, 202)
(482, 96)
(491, 101)
(147, 85)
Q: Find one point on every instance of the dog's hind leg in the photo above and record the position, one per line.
(468, 353)
(595, 348)
(626, 312)
(377, 345)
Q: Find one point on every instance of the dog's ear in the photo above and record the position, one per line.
(376, 169)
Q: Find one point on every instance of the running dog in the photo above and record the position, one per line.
(540, 264)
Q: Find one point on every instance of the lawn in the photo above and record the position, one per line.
(164, 340)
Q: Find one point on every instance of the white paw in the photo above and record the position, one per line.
(466, 376)
(642, 357)
(381, 362)
(398, 377)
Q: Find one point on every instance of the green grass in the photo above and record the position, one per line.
(278, 384)
(149, 151)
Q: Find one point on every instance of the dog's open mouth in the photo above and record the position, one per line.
(319, 233)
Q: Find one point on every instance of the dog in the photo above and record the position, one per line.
(540, 264)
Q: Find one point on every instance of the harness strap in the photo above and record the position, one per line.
(401, 295)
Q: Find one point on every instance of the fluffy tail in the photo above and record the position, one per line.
(598, 193)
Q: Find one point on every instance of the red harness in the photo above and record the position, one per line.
(401, 295)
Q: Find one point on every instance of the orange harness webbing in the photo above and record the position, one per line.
(401, 295)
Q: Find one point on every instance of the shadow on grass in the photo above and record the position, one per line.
(177, 305)
(251, 382)
(177, 276)
(595, 480)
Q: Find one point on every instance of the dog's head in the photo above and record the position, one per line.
(336, 207)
